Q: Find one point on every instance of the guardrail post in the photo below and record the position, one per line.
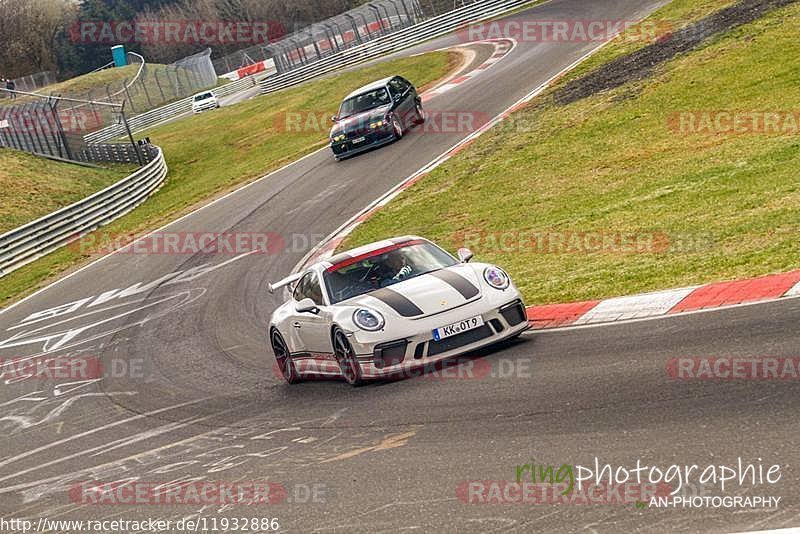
(60, 128)
(128, 95)
(146, 94)
(158, 84)
(130, 135)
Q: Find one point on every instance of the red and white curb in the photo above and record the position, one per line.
(661, 303)
(502, 47)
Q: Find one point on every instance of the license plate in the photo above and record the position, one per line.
(359, 140)
(457, 328)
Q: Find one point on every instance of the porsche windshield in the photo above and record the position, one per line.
(364, 102)
(381, 268)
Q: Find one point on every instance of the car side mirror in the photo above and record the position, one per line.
(307, 306)
(334, 118)
(464, 255)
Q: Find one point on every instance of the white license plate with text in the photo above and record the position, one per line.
(457, 328)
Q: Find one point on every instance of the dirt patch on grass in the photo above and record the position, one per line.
(640, 64)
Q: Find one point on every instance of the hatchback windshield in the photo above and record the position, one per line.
(364, 102)
(204, 96)
(384, 267)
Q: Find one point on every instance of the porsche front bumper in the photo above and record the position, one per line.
(399, 356)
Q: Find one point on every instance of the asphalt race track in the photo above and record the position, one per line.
(192, 394)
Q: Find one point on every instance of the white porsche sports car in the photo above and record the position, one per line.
(385, 308)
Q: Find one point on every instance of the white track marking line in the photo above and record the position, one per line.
(795, 291)
(98, 429)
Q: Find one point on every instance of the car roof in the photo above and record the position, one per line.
(370, 87)
(207, 91)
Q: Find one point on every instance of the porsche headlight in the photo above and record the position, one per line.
(496, 277)
(367, 319)
(377, 124)
(338, 138)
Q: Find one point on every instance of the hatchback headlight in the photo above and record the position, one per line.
(367, 319)
(338, 138)
(377, 124)
(496, 277)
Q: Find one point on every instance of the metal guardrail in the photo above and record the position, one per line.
(164, 113)
(42, 236)
(430, 28)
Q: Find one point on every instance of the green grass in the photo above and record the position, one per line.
(31, 187)
(726, 204)
(213, 152)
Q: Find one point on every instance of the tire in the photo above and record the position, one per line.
(397, 127)
(345, 356)
(419, 111)
(284, 358)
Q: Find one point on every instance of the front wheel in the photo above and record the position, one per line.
(346, 357)
(419, 111)
(397, 127)
(284, 358)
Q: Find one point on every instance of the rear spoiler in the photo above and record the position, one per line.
(285, 282)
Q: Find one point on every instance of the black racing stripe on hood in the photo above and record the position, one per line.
(458, 282)
(397, 302)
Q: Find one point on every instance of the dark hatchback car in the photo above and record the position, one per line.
(374, 115)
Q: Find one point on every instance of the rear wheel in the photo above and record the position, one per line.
(284, 358)
(346, 357)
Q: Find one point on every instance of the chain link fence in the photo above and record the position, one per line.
(153, 85)
(364, 23)
(55, 125)
(32, 82)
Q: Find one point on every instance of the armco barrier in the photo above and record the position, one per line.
(170, 111)
(42, 236)
(428, 29)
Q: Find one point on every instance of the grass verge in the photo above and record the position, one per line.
(31, 187)
(211, 153)
(612, 194)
